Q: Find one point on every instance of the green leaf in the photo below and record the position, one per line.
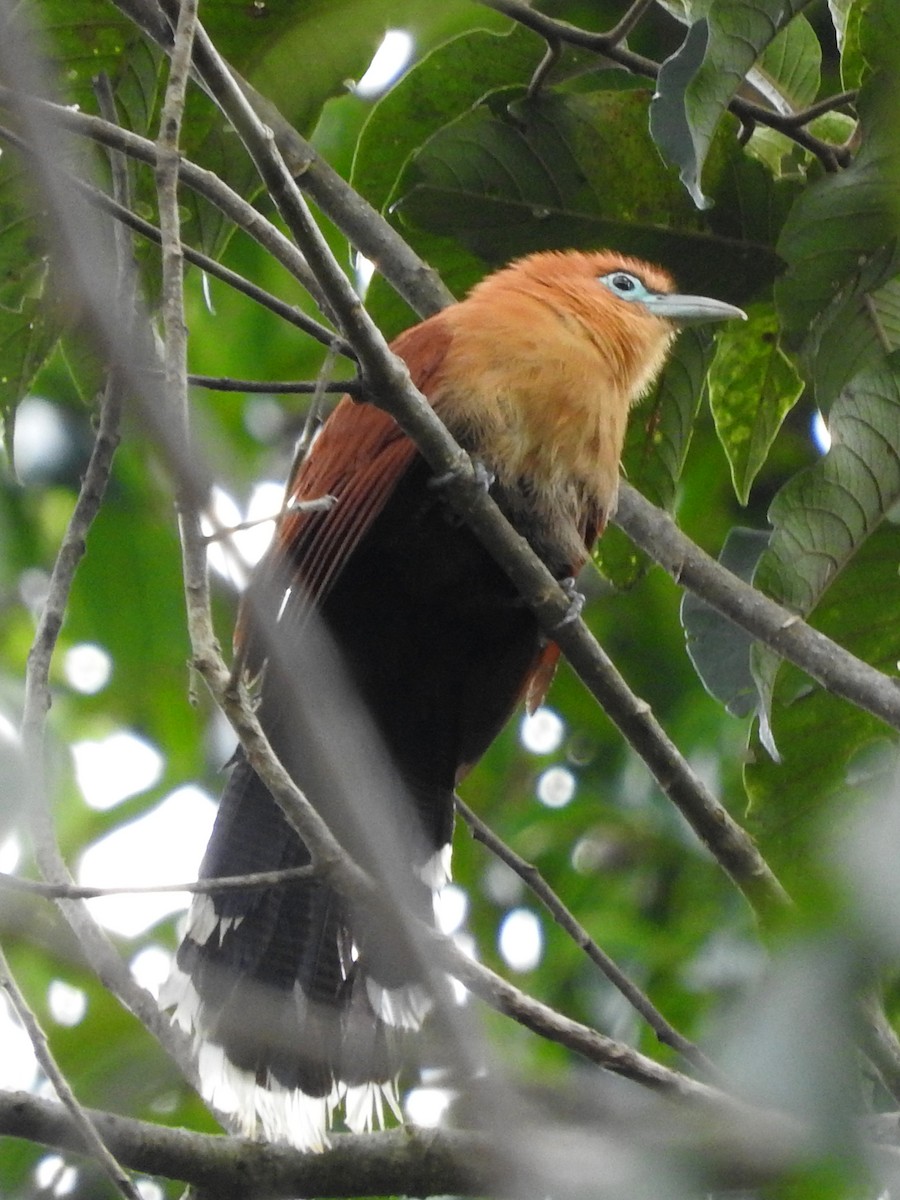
(823, 518)
(22, 251)
(298, 54)
(132, 555)
(26, 339)
(842, 245)
(441, 87)
(559, 171)
(790, 66)
(752, 388)
(824, 741)
(824, 515)
(840, 12)
(697, 83)
(720, 650)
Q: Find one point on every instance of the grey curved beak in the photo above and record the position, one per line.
(691, 310)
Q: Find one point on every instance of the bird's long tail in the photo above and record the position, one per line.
(296, 1005)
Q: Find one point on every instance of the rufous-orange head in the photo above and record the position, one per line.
(545, 357)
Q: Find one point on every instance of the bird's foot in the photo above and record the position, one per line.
(482, 476)
(576, 601)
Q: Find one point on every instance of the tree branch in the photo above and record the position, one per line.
(204, 183)
(548, 1153)
(93, 274)
(402, 1162)
(783, 631)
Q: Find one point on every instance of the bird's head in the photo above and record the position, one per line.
(630, 309)
(604, 285)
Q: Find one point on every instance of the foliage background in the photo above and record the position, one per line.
(472, 171)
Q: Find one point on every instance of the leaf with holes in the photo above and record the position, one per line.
(752, 388)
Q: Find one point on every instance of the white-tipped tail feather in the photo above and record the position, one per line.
(268, 1108)
(271, 1110)
(401, 1008)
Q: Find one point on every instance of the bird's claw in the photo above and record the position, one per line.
(576, 601)
(481, 475)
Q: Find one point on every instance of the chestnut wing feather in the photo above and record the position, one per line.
(358, 458)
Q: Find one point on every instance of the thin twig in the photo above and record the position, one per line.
(539, 886)
(553, 29)
(226, 883)
(627, 22)
(542, 71)
(46, 852)
(363, 226)
(300, 387)
(829, 104)
(88, 1135)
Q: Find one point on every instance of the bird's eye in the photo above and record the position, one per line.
(624, 285)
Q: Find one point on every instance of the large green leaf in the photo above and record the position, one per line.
(441, 87)
(516, 175)
(824, 517)
(838, 307)
(789, 67)
(698, 82)
(840, 240)
(27, 337)
(825, 514)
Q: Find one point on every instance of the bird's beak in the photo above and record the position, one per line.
(691, 310)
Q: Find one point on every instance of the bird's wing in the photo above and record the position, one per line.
(358, 458)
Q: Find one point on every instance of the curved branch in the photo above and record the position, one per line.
(205, 183)
(363, 226)
(532, 878)
(400, 1162)
(609, 44)
(130, 220)
(96, 274)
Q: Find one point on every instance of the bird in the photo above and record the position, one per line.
(300, 1004)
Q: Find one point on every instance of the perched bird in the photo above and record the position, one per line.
(297, 1001)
